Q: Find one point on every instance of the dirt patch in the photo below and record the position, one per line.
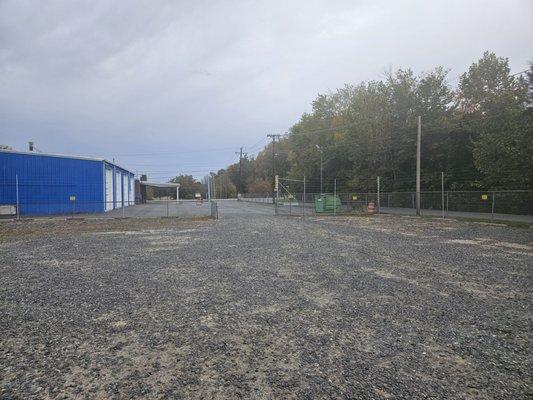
(512, 248)
(17, 230)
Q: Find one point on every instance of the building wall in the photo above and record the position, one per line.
(50, 184)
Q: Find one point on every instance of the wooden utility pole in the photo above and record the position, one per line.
(418, 142)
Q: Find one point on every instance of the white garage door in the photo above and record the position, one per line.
(118, 189)
(108, 189)
(132, 190)
(125, 191)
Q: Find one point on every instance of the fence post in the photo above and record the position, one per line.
(290, 205)
(442, 194)
(167, 207)
(303, 209)
(123, 207)
(379, 202)
(214, 209)
(334, 196)
(17, 191)
(492, 208)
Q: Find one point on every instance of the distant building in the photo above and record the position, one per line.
(61, 184)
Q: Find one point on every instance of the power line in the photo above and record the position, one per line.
(520, 73)
(260, 142)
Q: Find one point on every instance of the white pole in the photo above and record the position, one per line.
(209, 188)
(17, 190)
(177, 194)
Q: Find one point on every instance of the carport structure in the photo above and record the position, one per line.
(144, 184)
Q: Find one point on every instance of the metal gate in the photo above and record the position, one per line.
(291, 197)
(299, 197)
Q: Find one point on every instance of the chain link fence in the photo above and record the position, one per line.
(265, 197)
(92, 209)
(504, 205)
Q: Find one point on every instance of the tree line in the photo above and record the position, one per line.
(479, 134)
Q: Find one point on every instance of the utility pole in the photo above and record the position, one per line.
(209, 187)
(418, 142)
(273, 137)
(213, 186)
(239, 190)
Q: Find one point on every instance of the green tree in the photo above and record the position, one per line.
(479, 135)
(495, 104)
(189, 186)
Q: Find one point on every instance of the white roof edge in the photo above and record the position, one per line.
(157, 184)
(33, 153)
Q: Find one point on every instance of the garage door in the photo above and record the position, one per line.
(132, 190)
(118, 189)
(125, 189)
(108, 189)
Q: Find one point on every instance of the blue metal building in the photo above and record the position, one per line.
(41, 184)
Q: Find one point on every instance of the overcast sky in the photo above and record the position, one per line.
(171, 87)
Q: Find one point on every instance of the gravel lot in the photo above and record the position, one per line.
(258, 306)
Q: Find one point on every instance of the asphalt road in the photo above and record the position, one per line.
(258, 306)
(163, 208)
(186, 209)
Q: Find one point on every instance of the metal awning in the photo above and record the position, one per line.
(160, 185)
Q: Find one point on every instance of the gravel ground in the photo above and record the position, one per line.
(258, 306)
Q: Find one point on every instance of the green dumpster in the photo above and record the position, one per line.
(319, 204)
(327, 203)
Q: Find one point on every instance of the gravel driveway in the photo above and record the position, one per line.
(258, 306)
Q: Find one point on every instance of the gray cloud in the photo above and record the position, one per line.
(164, 77)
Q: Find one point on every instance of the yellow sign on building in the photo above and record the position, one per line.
(484, 197)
